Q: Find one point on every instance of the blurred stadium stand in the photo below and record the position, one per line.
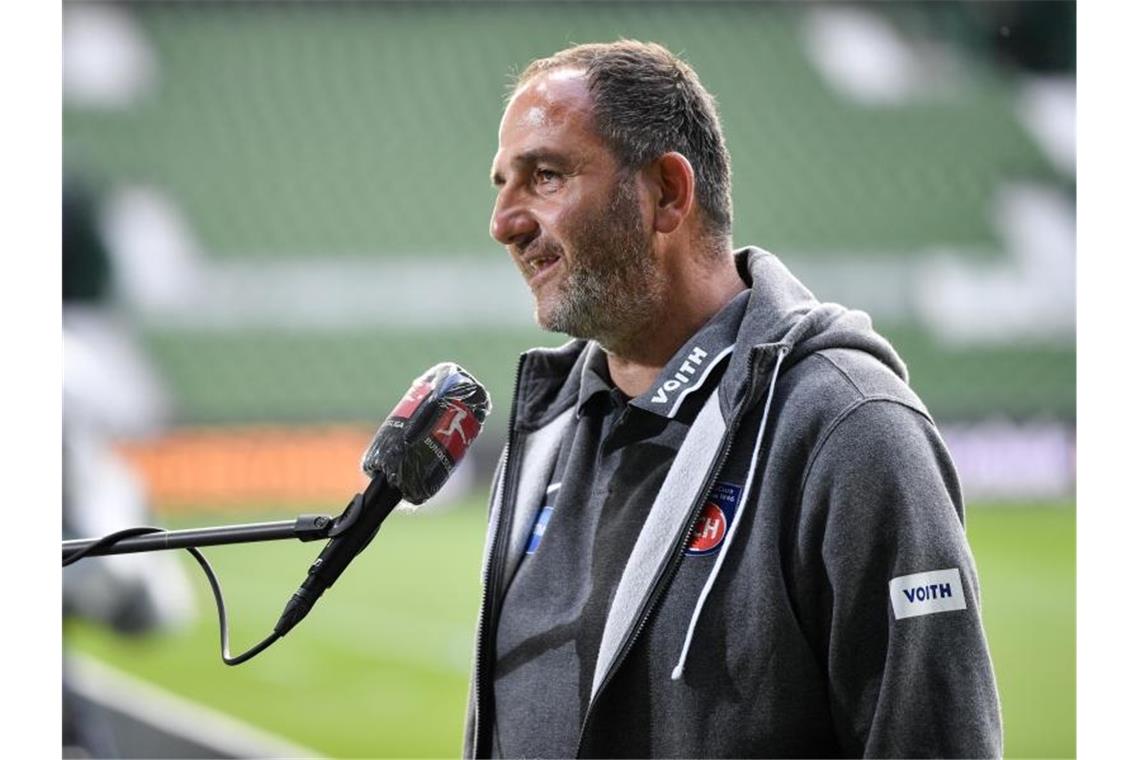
(294, 198)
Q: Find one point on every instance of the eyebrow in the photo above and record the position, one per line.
(530, 157)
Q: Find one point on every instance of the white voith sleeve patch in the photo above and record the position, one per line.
(927, 593)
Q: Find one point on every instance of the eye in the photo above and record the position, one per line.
(547, 178)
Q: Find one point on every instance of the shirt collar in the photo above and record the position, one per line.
(595, 382)
(685, 373)
(694, 363)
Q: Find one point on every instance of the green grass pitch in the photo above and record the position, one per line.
(379, 668)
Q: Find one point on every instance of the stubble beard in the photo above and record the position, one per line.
(613, 290)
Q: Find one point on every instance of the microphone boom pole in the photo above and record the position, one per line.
(304, 528)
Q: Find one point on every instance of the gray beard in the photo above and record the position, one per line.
(612, 295)
(611, 307)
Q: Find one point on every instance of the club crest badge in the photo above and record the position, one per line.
(716, 518)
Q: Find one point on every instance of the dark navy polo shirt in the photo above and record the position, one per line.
(610, 465)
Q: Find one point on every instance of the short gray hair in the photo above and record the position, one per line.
(648, 102)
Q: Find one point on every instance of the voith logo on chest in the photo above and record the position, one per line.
(927, 593)
(683, 375)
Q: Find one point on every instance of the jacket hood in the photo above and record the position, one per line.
(783, 314)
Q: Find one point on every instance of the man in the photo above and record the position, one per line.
(722, 525)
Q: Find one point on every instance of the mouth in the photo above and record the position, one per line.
(535, 268)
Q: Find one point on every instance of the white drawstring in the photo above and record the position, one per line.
(679, 670)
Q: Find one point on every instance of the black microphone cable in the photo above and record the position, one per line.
(215, 586)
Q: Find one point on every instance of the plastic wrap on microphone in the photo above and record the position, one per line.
(426, 435)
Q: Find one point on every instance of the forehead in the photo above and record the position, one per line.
(551, 111)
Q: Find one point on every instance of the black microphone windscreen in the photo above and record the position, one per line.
(420, 443)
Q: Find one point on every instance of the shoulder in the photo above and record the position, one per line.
(833, 380)
(873, 447)
(843, 410)
(862, 460)
(835, 387)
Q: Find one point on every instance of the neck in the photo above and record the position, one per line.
(694, 296)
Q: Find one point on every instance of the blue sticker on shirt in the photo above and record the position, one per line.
(539, 529)
(715, 520)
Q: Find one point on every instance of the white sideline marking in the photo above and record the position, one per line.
(177, 715)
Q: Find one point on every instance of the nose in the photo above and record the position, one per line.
(511, 222)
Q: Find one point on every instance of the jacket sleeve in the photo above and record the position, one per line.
(896, 602)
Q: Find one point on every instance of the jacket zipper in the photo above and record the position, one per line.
(488, 607)
(661, 582)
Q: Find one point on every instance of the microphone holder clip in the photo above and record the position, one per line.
(347, 518)
(313, 527)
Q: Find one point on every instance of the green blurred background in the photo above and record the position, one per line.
(291, 201)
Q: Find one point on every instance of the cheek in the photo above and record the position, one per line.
(577, 220)
(557, 229)
(558, 215)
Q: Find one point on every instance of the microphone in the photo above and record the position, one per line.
(411, 456)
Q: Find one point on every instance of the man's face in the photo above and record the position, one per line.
(570, 217)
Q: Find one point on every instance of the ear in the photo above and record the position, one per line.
(674, 186)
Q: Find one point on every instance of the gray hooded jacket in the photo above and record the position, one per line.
(841, 616)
